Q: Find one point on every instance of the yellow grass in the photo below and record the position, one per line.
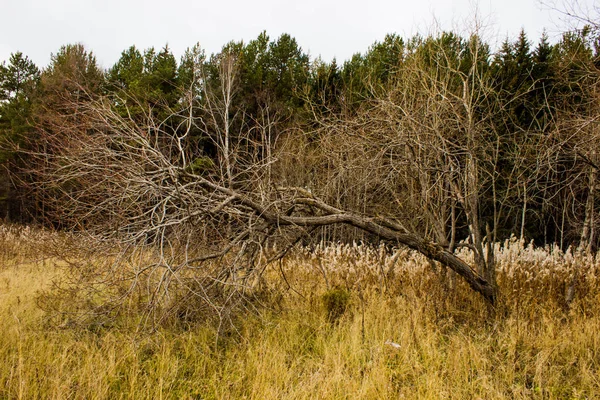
(408, 336)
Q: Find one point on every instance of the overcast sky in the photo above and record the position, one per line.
(322, 27)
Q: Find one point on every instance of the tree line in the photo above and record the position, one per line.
(436, 142)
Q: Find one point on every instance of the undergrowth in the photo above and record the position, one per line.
(343, 322)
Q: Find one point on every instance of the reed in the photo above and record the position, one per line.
(404, 331)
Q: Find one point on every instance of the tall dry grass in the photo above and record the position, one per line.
(351, 322)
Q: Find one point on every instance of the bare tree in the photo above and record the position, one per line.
(575, 13)
(132, 182)
(424, 153)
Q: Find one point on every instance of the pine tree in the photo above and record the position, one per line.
(288, 70)
(127, 73)
(18, 82)
(191, 67)
(161, 77)
(544, 81)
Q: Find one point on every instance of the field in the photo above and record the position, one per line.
(346, 322)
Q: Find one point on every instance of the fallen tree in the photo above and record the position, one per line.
(142, 182)
(139, 183)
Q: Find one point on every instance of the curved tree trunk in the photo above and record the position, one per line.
(385, 229)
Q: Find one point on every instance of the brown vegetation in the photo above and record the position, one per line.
(401, 333)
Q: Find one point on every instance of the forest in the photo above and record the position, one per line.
(215, 187)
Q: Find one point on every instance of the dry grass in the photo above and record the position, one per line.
(400, 332)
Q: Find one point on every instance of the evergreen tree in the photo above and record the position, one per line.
(384, 58)
(127, 76)
(18, 77)
(72, 80)
(288, 70)
(326, 85)
(544, 81)
(18, 82)
(254, 66)
(573, 57)
(354, 84)
(127, 73)
(191, 67)
(522, 54)
(161, 77)
(73, 68)
(364, 75)
(145, 81)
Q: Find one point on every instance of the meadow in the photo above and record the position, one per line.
(337, 322)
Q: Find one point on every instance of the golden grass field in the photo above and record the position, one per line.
(357, 323)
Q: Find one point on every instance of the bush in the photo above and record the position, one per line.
(336, 302)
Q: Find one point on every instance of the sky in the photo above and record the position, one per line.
(324, 28)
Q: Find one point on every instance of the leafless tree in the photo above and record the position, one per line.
(424, 154)
(206, 224)
(575, 13)
(415, 166)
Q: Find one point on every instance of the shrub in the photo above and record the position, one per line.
(336, 303)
